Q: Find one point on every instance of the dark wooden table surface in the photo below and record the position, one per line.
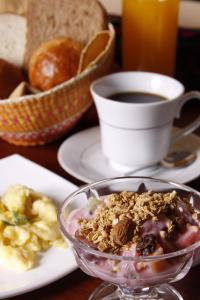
(77, 285)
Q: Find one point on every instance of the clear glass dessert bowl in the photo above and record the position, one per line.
(129, 275)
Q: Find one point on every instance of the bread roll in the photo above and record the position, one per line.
(10, 77)
(54, 62)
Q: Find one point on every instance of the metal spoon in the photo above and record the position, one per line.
(178, 159)
(175, 159)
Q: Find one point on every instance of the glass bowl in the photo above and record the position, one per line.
(128, 276)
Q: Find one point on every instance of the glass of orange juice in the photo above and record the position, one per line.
(149, 32)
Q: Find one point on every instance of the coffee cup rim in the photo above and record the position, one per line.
(136, 73)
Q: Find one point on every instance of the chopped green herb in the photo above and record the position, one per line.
(7, 223)
(19, 219)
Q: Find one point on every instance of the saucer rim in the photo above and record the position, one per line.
(76, 174)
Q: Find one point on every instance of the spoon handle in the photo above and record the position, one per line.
(150, 169)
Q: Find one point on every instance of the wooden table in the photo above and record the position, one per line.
(77, 285)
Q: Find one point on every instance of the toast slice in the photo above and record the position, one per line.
(95, 49)
(13, 38)
(18, 7)
(21, 90)
(49, 19)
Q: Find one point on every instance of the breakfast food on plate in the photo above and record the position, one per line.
(10, 77)
(137, 224)
(79, 20)
(54, 62)
(13, 36)
(23, 89)
(28, 226)
(95, 49)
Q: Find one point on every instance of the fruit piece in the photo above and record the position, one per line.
(189, 237)
(158, 265)
(147, 245)
(123, 231)
(166, 242)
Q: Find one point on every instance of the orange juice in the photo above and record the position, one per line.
(149, 33)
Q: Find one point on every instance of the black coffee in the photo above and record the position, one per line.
(136, 97)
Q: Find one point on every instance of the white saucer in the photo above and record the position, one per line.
(82, 157)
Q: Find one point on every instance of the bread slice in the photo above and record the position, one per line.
(13, 38)
(18, 7)
(95, 49)
(21, 90)
(49, 19)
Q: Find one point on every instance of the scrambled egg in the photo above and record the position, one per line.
(28, 225)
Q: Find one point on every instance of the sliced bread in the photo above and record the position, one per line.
(22, 89)
(13, 38)
(49, 19)
(18, 7)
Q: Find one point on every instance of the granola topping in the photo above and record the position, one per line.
(117, 222)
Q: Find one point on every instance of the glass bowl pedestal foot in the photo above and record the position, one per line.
(107, 291)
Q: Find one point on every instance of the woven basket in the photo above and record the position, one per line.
(41, 118)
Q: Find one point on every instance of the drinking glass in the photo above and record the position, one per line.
(149, 35)
(122, 272)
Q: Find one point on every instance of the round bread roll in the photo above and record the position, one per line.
(54, 62)
(10, 77)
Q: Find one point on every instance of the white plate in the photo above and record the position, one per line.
(81, 156)
(55, 263)
(188, 15)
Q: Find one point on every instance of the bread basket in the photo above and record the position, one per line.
(41, 118)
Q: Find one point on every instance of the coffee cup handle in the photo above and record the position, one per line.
(192, 126)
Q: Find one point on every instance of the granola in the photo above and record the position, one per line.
(118, 222)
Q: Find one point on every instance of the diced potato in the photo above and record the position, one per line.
(45, 210)
(16, 198)
(1, 232)
(45, 245)
(17, 235)
(46, 231)
(5, 217)
(18, 259)
(2, 208)
(34, 243)
(1, 226)
(60, 243)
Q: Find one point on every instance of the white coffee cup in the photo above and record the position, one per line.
(139, 134)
